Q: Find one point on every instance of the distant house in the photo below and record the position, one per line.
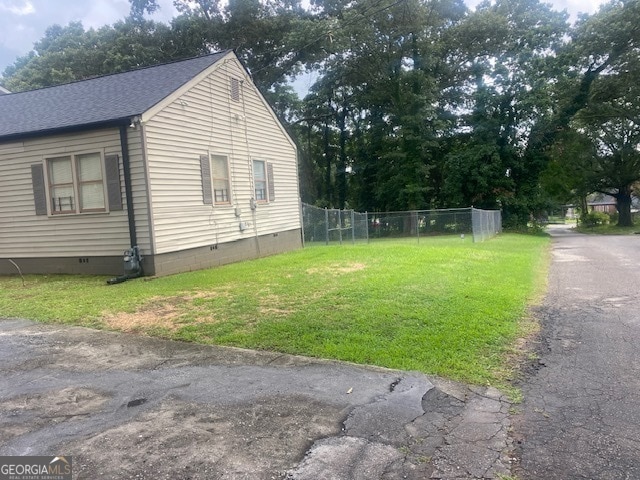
(599, 202)
(3, 91)
(185, 161)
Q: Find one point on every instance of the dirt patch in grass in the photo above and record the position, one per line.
(337, 268)
(169, 313)
(521, 356)
(273, 305)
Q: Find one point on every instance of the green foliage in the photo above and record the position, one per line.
(610, 229)
(594, 219)
(72, 53)
(445, 306)
(594, 148)
(417, 104)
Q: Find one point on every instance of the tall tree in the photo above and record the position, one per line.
(511, 46)
(385, 73)
(602, 46)
(608, 130)
(71, 53)
(598, 99)
(271, 38)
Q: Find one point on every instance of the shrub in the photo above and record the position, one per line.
(594, 219)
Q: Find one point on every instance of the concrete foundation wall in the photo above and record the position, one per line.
(164, 264)
(81, 265)
(223, 253)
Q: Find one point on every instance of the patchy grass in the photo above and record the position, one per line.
(445, 306)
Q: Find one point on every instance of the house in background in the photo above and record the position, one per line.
(599, 202)
(185, 161)
(3, 91)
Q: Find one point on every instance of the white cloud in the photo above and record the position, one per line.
(17, 7)
(578, 6)
(104, 12)
(573, 7)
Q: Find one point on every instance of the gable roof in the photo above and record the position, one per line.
(97, 101)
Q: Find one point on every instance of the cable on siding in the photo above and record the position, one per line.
(232, 172)
(251, 176)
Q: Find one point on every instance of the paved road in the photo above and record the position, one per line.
(581, 415)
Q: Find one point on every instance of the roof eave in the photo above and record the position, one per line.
(68, 129)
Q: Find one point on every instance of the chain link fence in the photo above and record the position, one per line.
(485, 223)
(326, 225)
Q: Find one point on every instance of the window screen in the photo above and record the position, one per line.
(220, 177)
(90, 185)
(76, 183)
(61, 189)
(260, 180)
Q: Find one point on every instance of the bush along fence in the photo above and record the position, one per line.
(326, 225)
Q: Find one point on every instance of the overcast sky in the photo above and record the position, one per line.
(23, 22)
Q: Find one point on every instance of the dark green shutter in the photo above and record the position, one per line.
(39, 190)
(114, 191)
(205, 169)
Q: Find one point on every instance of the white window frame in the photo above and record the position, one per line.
(214, 178)
(264, 181)
(75, 184)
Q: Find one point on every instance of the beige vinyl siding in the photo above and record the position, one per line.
(139, 191)
(204, 120)
(25, 234)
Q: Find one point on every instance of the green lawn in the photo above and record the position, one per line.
(444, 306)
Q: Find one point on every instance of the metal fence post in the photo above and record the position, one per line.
(340, 225)
(326, 225)
(302, 216)
(353, 228)
(366, 224)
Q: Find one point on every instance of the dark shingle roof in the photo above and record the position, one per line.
(98, 100)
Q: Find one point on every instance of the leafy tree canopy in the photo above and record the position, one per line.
(417, 103)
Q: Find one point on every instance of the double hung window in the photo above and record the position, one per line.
(220, 178)
(260, 180)
(263, 181)
(76, 183)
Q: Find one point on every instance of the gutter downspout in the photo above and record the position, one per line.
(132, 258)
(124, 146)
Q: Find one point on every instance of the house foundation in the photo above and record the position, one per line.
(163, 264)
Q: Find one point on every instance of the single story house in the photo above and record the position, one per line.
(599, 202)
(185, 161)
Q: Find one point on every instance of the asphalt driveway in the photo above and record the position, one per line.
(131, 407)
(581, 415)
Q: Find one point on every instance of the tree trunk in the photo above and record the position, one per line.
(623, 204)
(584, 206)
(328, 190)
(341, 172)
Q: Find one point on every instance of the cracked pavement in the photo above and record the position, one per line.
(132, 407)
(581, 414)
